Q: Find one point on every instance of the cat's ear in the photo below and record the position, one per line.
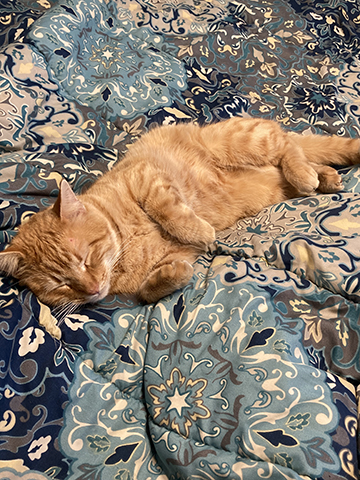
(67, 205)
(9, 260)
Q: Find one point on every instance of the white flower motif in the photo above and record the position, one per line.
(76, 321)
(38, 447)
(30, 341)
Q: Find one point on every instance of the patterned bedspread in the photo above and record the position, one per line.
(252, 370)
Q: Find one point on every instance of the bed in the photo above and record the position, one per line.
(252, 370)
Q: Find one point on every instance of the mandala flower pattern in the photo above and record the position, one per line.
(107, 64)
(178, 402)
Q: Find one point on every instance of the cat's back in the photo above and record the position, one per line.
(182, 142)
(208, 146)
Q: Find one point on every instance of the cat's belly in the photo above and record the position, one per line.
(240, 194)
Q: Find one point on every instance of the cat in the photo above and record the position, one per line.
(139, 228)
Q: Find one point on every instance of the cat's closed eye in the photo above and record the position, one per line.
(84, 263)
(59, 283)
(83, 258)
(65, 287)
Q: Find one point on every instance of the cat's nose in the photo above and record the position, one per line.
(93, 289)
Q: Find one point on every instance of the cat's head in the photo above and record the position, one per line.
(63, 254)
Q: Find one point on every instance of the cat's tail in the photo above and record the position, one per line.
(329, 150)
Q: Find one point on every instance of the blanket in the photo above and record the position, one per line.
(252, 370)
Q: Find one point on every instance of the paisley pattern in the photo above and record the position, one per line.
(252, 370)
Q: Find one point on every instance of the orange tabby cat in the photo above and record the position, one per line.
(139, 228)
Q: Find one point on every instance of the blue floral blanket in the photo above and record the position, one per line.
(252, 370)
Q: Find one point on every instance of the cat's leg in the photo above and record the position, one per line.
(320, 151)
(297, 170)
(173, 273)
(238, 143)
(164, 205)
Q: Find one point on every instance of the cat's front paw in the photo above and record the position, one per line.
(165, 280)
(198, 233)
(206, 236)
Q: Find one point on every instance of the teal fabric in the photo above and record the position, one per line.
(250, 371)
(218, 372)
(110, 65)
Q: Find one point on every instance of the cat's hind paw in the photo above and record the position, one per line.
(330, 180)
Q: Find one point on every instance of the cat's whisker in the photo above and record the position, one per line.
(70, 309)
(13, 284)
(125, 246)
(58, 313)
(63, 311)
(58, 309)
(61, 320)
(61, 308)
(117, 257)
